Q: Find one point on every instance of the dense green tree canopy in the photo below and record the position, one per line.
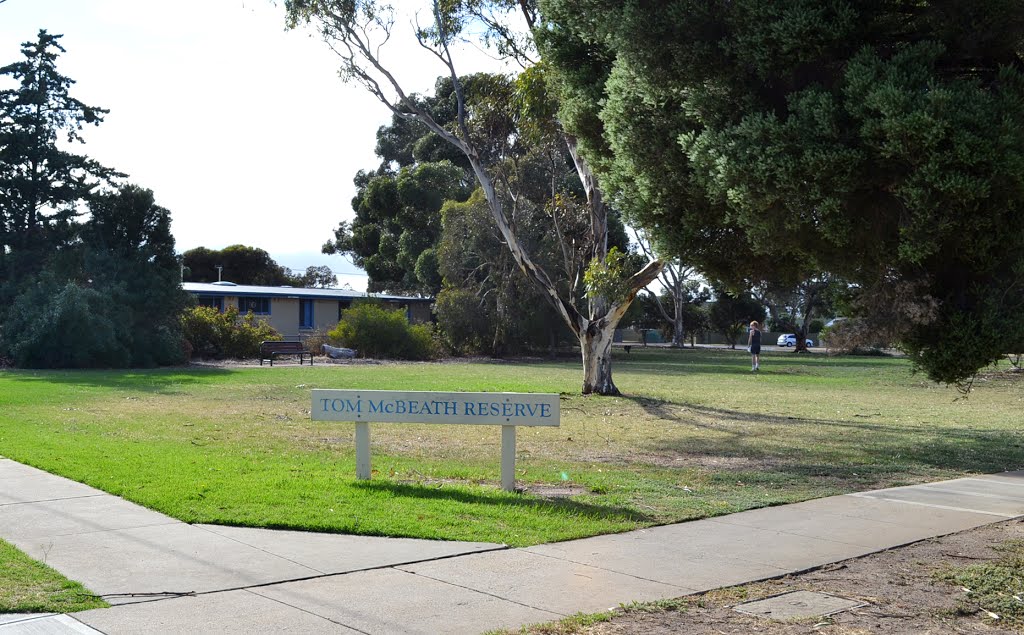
(129, 254)
(110, 298)
(880, 141)
(487, 305)
(317, 277)
(397, 227)
(240, 264)
(397, 220)
(129, 224)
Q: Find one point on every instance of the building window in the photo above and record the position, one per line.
(256, 306)
(305, 314)
(342, 305)
(212, 301)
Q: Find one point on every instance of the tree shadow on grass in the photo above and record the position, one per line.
(828, 446)
(685, 361)
(559, 506)
(160, 380)
(682, 369)
(741, 368)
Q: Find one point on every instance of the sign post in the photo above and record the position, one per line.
(363, 467)
(506, 409)
(508, 458)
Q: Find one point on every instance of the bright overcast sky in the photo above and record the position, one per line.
(241, 129)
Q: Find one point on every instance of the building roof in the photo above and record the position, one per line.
(248, 290)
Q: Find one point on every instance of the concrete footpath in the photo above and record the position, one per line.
(165, 576)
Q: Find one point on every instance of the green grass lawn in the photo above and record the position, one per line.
(27, 586)
(696, 435)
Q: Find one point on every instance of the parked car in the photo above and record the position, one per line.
(789, 339)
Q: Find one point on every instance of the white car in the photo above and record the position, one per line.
(789, 339)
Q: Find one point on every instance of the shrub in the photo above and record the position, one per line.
(217, 335)
(463, 321)
(378, 332)
(853, 336)
(314, 341)
(423, 343)
(58, 322)
(54, 325)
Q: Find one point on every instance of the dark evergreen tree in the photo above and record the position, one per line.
(42, 186)
(129, 251)
(113, 298)
(878, 141)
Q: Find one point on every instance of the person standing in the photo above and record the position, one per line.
(754, 345)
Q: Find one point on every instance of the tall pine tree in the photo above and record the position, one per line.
(42, 186)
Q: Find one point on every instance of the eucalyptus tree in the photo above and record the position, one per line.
(681, 284)
(240, 264)
(317, 277)
(357, 31)
(397, 225)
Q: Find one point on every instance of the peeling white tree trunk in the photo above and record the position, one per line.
(597, 334)
(596, 344)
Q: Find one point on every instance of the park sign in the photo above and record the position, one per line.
(507, 409)
(387, 406)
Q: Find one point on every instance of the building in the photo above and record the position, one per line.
(295, 312)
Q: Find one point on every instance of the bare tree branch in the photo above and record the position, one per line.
(661, 307)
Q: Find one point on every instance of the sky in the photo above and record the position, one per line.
(242, 130)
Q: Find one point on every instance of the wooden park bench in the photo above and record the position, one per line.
(270, 350)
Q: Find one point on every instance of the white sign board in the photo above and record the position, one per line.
(480, 408)
(507, 409)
